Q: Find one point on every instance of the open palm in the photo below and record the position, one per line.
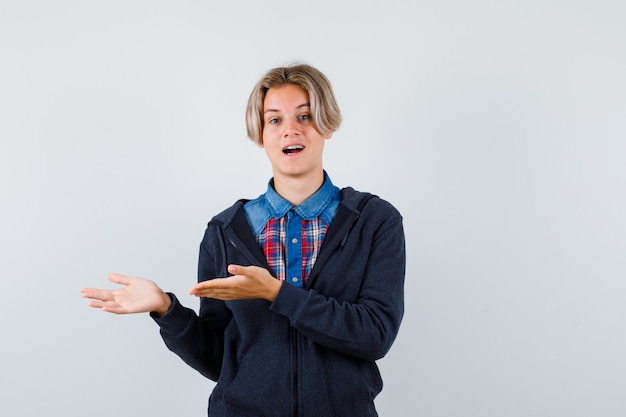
(138, 295)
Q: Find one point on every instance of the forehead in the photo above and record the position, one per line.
(284, 97)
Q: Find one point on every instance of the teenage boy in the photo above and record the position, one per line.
(301, 289)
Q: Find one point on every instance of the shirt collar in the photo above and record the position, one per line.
(309, 209)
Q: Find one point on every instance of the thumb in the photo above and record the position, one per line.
(119, 279)
(243, 270)
(251, 271)
(236, 269)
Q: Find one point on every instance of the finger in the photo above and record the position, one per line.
(204, 287)
(107, 306)
(95, 304)
(213, 287)
(119, 279)
(216, 294)
(97, 294)
(115, 308)
(99, 304)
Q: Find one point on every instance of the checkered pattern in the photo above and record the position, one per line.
(273, 240)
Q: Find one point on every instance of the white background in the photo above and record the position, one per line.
(497, 128)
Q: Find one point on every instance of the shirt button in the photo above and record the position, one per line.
(294, 279)
(294, 240)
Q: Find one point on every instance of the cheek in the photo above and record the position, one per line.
(268, 150)
(266, 136)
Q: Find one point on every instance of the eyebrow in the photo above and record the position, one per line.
(275, 110)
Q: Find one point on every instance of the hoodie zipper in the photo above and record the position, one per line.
(295, 356)
(293, 335)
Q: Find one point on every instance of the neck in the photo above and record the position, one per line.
(297, 189)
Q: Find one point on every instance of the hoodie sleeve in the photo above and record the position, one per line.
(199, 339)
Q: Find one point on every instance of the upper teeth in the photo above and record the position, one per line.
(293, 148)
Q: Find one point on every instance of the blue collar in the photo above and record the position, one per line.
(310, 208)
(323, 204)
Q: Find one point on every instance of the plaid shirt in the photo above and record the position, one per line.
(291, 236)
(298, 254)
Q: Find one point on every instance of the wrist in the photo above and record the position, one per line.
(164, 306)
(273, 290)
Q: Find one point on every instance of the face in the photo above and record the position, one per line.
(291, 141)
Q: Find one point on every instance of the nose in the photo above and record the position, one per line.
(290, 128)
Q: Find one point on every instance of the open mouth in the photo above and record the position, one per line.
(293, 149)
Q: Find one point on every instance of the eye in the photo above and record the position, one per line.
(272, 121)
(305, 116)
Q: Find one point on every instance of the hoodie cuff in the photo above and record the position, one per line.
(175, 319)
(289, 301)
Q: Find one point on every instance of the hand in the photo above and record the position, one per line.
(247, 282)
(137, 296)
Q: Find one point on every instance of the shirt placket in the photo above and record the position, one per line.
(294, 249)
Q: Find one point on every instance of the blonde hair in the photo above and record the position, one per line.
(324, 109)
